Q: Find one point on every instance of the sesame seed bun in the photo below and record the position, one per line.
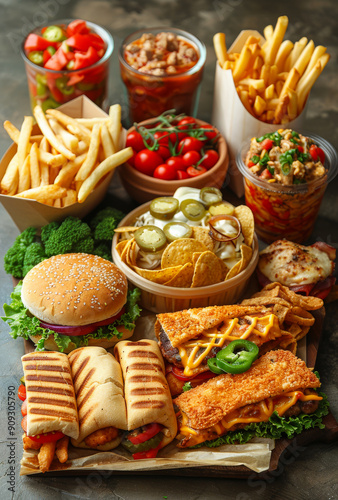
(74, 289)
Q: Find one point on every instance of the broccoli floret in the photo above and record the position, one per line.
(14, 258)
(105, 213)
(84, 246)
(47, 230)
(34, 255)
(68, 237)
(105, 229)
(103, 250)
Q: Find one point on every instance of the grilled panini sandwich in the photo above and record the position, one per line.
(150, 413)
(277, 381)
(51, 406)
(189, 338)
(99, 393)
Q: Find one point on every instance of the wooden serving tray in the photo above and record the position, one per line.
(328, 434)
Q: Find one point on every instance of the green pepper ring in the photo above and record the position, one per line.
(233, 362)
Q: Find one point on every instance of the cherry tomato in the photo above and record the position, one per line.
(22, 392)
(177, 137)
(165, 172)
(181, 174)
(210, 158)
(131, 160)
(164, 152)
(162, 137)
(176, 162)
(250, 164)
(146, 161)
(267, 144)
(190, 144)
(187, 123)
(24, 408)
(210, 134)
(135, 141)
(191, 158)
(266, 174)
(195, 171)
(300, 149)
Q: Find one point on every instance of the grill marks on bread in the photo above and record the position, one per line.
(51, 404)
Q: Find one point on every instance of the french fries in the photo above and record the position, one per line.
(62, 165)
(273, 79)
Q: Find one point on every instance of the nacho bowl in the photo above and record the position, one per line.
(162, 298)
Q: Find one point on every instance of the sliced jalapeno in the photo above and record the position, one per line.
(61, 84)
(54, 34)
(85, 86)
(175, 230)
(150, 238)
(237, 357)
(49, 104)
(192, 209)
(210, 196)
(219, 233)
(164, 208)
(213, 366)
(36, 57)
(223, 208)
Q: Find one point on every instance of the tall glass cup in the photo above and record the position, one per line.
(149, 95)
(50, 88)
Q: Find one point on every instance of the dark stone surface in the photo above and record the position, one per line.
(312, 474)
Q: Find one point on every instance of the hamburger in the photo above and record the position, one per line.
(73, 300)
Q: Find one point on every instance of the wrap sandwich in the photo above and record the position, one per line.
(275, 396)
(151, 420)
(50, 414)
(189, 338)
(98, 387)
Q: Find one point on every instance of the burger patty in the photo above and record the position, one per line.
(172, 354)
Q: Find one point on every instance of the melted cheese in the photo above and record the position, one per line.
(262, 412)
(293, 264)
(216, 337)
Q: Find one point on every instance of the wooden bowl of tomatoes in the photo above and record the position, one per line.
(171, 151)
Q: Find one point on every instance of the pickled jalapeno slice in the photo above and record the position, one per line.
(150, 238)
(192, 209)
(164, 208)
(210, 196)
(175, 230)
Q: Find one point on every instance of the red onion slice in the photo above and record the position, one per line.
(216, 234)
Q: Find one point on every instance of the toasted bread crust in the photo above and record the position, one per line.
(271, 375)
(190, 323)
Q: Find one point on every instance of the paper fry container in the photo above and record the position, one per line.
(26, 212)
(234, 122)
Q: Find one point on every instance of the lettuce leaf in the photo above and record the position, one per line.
(24, 325)
(275, 428)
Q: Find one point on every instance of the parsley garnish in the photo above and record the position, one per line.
(276, 137)
(187, 386)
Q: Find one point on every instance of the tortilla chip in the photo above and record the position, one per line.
(208, 270)
(180, 251)
(159, 276)
(245, 217)
(131, 253)
(120, 246)
(281, 312)
(195, 256)
(246, 253)
(202, 234)
(125, 250)
(183, 278)
(234, 270)
(125, 229)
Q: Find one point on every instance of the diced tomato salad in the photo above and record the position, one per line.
(71, 51)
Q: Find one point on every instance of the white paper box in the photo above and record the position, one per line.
(234, 122)
(26, 212)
